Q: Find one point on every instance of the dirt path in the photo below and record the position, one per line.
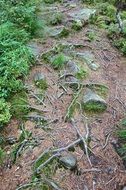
(59, 133)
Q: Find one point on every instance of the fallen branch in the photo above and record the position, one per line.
(84, 141)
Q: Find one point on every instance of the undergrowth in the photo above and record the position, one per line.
(106, 18)
(18, 24)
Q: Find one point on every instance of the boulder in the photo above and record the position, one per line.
(82, 15)
(57, 32)
(93, 102)
(88, 57)
(69, 161)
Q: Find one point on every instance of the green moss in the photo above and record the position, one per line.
(42, 84)
(100, 89)
(82, 73)
(19, 105)
(94, 107)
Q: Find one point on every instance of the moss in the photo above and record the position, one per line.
(82, 73)
(42, 84)
(101, 90)
(19, 105)
(94, 107)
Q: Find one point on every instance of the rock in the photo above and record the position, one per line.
(39, 76)
(58, 32)
(73, 82)
(34, 48)
(11, 140)
(124, 188)
(72, 67)
(69, 161)
(40, 80)
(82, 15)
(93, 102)
(88, 57)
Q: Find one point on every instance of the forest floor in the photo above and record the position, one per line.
(109, 172)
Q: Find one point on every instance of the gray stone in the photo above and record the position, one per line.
(34, 48)
(83, 14)
(39, 77)
(88, 57)
(124, 188)
(58, 32)
(11, 140)
(69, 161)
(93, 102)
(73, 82)
(72, 67)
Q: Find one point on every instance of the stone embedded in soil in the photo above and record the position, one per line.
(69, 161)
(56, 32)
(82, 15)
(35, 48)
(73, 82)
(93, 102)
(39, 76)
(40, 80)
(11, 140)
(72, 67)
(88, 57)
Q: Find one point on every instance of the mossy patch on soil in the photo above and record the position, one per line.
(19, 105)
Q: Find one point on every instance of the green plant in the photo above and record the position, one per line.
(91, 36)
(56, 19)
(59, 60)
(4, 112)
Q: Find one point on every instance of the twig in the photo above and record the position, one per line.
(83, 140)
(40, 101)
(38, 170)
(66, 75)
(106, 142)
(90, 170)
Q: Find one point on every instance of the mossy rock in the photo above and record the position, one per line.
(40, 81)
(93, 103)
(77, 25)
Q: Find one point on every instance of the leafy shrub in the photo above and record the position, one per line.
(4, 112)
